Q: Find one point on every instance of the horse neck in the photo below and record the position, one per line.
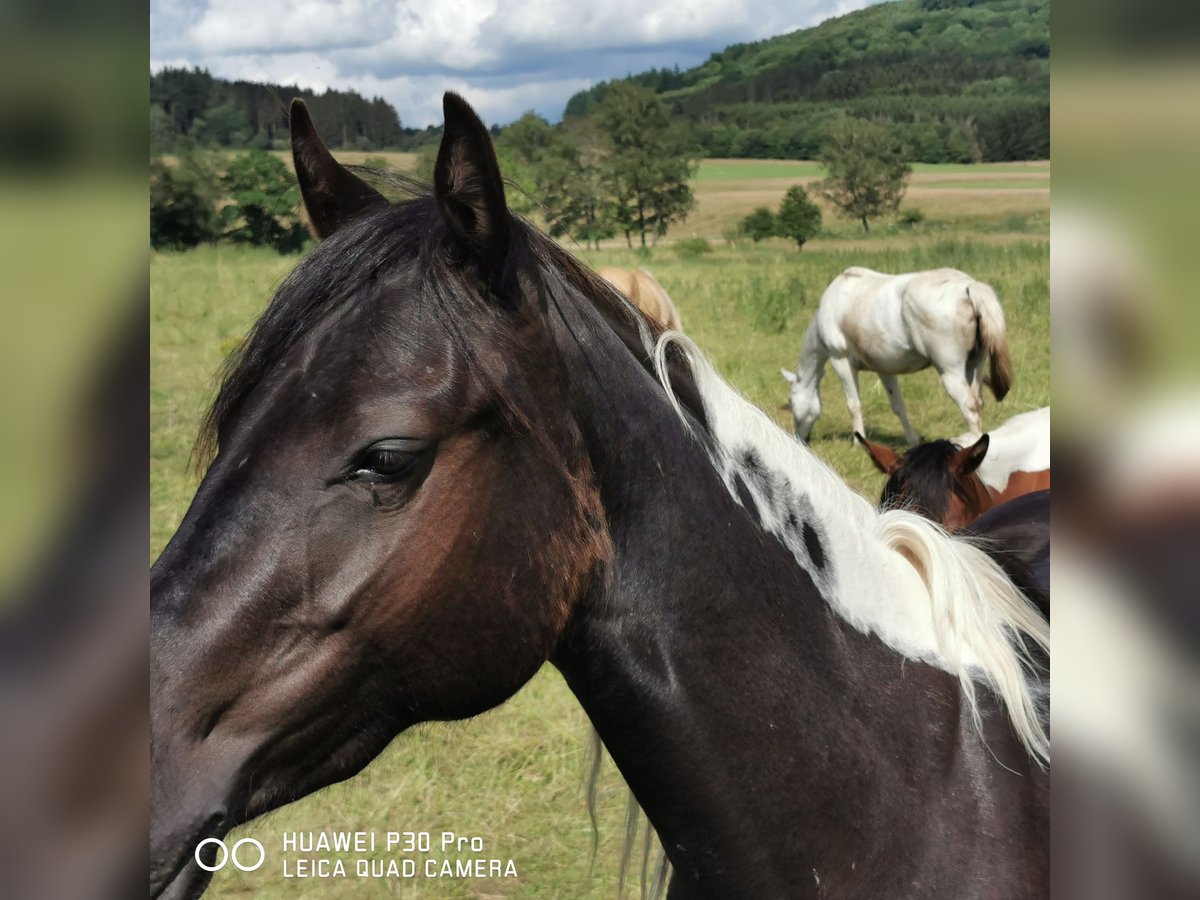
(717, 675)
(812, 358)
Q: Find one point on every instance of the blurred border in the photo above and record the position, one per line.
(74, 459)
(1125, 114)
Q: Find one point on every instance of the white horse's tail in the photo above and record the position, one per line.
(993, 336)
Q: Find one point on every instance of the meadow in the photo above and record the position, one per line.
(515, 775)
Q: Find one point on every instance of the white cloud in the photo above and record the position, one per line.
(505, 56)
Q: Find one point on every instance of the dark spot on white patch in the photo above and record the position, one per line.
(813, 544)
(747, 498)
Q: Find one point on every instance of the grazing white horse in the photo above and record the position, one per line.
(896, 324)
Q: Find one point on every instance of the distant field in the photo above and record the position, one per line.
(984, 198)
(515, 775)
(954, 198)
(739, 169)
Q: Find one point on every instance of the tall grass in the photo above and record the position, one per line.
(514, 776)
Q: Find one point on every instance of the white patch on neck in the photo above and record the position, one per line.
(895, 575)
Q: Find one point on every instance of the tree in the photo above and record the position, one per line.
(225, 125)
(867, 170)
(652, 161)
(759, 224)
(799, 218)
(182, 203)
(265, 199)
(574, 186)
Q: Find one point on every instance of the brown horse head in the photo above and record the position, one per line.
(399, 516)
(937, 480)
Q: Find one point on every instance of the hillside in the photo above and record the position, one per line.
(962, 80)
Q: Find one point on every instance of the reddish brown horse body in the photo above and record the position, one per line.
(940, 480)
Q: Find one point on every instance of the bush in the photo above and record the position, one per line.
(731, 233)
(689, 248)
(912, 217)
(376, 162)
(182, 203)
(799, 219)
(265, 203)
(759, 224)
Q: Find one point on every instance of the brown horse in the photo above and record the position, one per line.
(641, 287)
(940, 480)
(445, 457)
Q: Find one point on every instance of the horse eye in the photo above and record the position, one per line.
(385, 461)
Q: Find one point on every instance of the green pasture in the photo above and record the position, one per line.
(515, 776)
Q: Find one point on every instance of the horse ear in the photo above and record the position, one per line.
(968, 459)
(885, 458)
(468, 186)
(332, 195)
(788, 375)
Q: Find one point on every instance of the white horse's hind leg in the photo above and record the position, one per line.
(968, 400)
(891, 384)
(848, 375)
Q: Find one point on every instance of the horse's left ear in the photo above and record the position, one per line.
(468, 187)
(885, 458)
(332, 194)
(968, 459)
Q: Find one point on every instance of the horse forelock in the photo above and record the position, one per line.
(926, 482)
(923, 480)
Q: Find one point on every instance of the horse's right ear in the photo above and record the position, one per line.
(968, 459)
(885, 458)
(332, 195)
(788, 376)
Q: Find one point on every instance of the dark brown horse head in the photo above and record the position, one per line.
(937, 479)
(399, 516)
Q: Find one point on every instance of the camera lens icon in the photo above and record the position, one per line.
(224, 854)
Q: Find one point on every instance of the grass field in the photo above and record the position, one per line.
(514, 776)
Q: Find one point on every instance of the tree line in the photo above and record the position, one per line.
(190, 105)
(624, 170)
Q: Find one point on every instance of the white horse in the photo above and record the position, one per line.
(896, 324)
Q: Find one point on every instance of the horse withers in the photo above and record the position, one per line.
(895, 325)
(445, 456)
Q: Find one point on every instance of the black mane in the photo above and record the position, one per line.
(351, 266)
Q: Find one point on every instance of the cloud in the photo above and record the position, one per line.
(506, 56)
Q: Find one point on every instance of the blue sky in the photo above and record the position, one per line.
(504, 56)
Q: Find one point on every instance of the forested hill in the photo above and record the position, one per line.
(960, 79)
(192, 103)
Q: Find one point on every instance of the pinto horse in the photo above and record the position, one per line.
(448, 453)
(895, 325)
(640, 286)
